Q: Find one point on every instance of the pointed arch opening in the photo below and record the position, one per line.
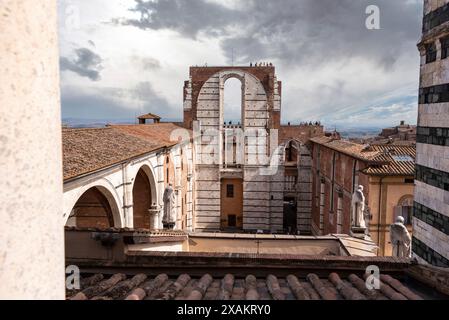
(144, 198)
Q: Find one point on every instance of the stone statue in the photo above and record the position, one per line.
(400, 239)
(358, 208)
(169, 218)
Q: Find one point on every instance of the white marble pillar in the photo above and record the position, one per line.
(31, 223)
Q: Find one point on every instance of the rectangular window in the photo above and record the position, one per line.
(407, 213)
(232, 220)
(444, 48)
(431, 53)
(412, 181)
(230, 190)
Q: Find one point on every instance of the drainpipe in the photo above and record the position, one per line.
(378, 211)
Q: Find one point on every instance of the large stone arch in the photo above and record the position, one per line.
(217, 156)
(98, 196)
(210, 101)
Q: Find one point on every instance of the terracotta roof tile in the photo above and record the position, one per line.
(151, 132)
(89, 150)
(400, 159)
(383, 159)
(346, 147)
(332, 286)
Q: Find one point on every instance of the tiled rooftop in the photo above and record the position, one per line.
(383, 159)
(89, 150)
(401, 160)
(240, 287)
(349, 148)
(152, 132)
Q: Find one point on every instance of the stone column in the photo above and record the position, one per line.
(31, 227)
(154, 217)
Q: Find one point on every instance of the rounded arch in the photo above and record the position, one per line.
(149, 173)
(107, 188)
(291, 151)
(406, 201)
(233, 99)
(234, 74)
(254, 99)
(404, 209)
(143, 195)
(96, 207)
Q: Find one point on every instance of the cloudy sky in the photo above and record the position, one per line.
(121, 58)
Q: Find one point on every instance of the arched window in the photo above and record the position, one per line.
(291, 153)
(404, 209)
(142, 200)
(232, 103)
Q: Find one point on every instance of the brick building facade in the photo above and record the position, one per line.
(385, 172)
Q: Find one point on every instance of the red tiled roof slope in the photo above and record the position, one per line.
(291, 287)
(89, 150)
(352, 149)
(401, 161)
(152, 132)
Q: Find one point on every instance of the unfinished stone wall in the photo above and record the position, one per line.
(263, 194)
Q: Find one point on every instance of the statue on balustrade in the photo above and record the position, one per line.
(400, 239)
(169, 218)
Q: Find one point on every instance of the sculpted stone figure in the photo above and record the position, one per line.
(169, 218)
(400, 239)
(358, 208)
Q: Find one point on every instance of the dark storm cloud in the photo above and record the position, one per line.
(85, 63)
(186, 17)
(295, 32)
(314, 32)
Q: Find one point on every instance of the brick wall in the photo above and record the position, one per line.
(338, 172)
(92, 210)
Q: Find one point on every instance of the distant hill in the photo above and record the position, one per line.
(99, 123)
